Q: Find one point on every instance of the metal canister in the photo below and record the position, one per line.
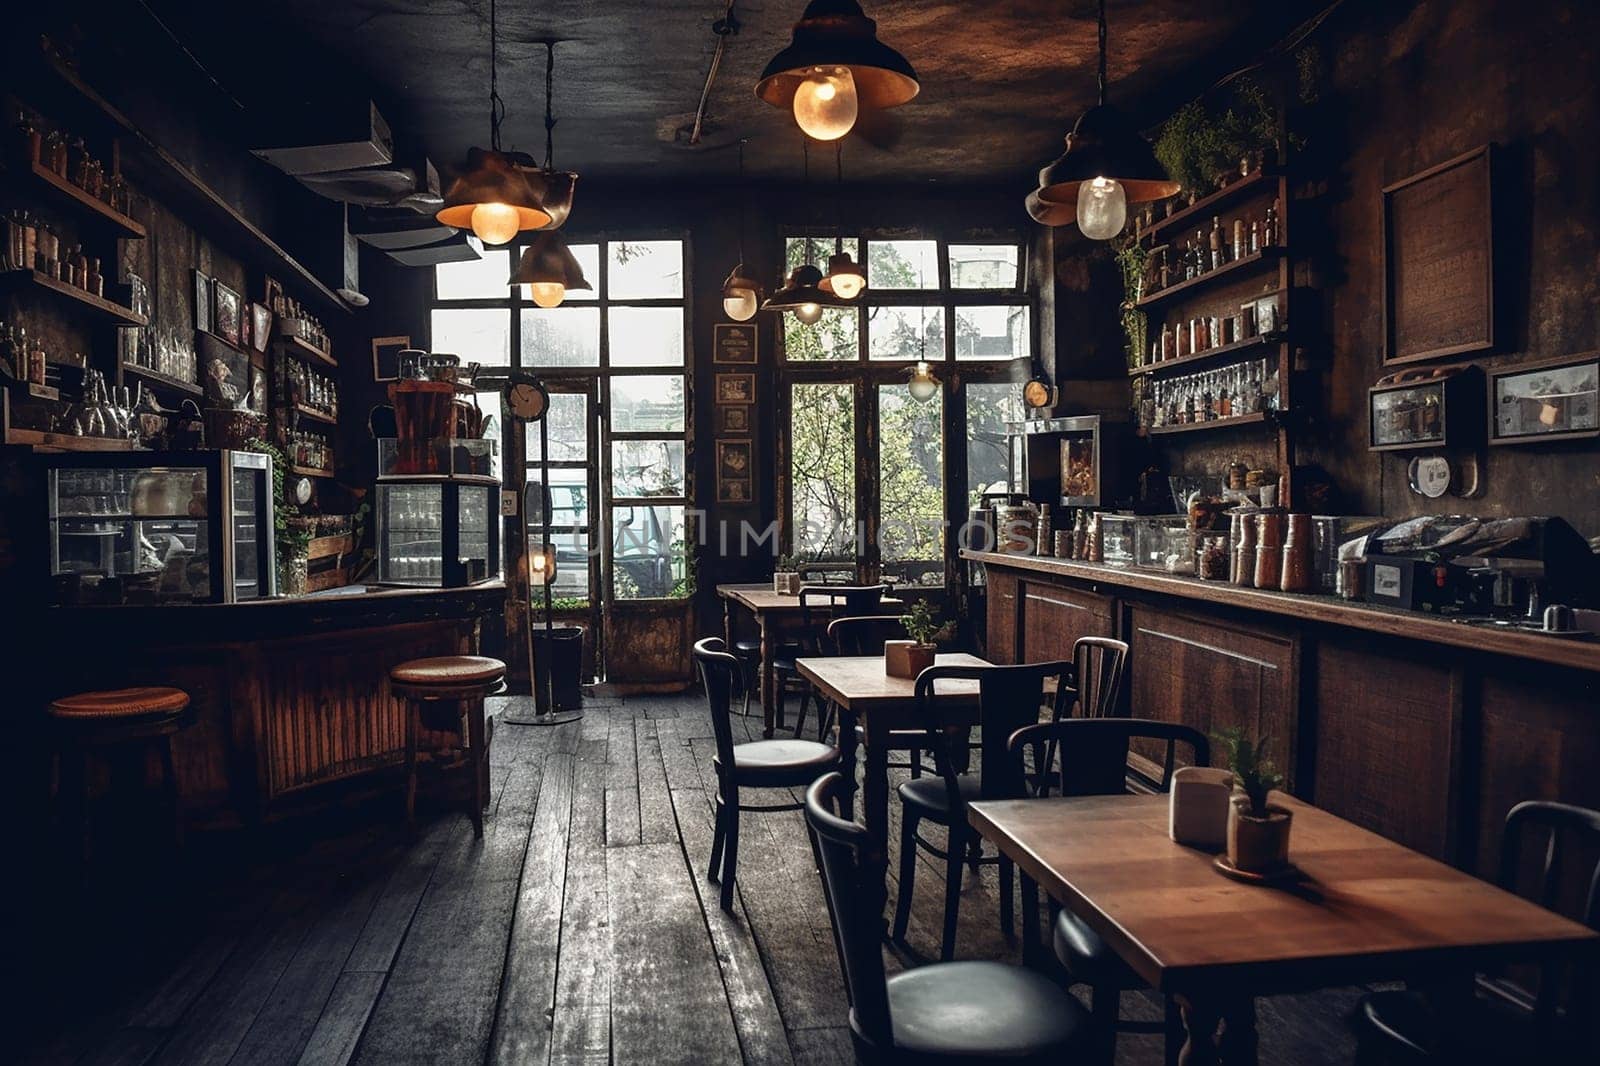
(1014, 529)
(980, 530)
(1063, 544)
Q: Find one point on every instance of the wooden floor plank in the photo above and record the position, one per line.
(527, 992)
(667, 999)
(656, 822)
(581, 1027)
(386, 925)
(755, 1008)
(333, 1039)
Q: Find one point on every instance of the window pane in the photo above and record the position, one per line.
(646, 336)
(993, 332)
(984, 266)
(567, 424)
(646, 468)
(477, 336)
(911, 483)
(989, 408)
(647, 403)
(642, 270)
(903, 264)
(822, 470)
(833, 337)
(796, 252)
(588, 257)
(481, 279)
(561, 336)
(648, 552)
(906, 333)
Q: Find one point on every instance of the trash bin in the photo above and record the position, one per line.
(560, 648)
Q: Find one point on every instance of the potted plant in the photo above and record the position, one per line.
(908, 658)
(786, 579)
(1258, 831)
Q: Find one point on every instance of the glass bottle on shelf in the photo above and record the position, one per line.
(1218, 248)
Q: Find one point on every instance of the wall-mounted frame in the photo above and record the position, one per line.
(734, 342)
(1435, 408)
(733, 420)
(386, 357)
(735, 471)
(736, 388)
(202, 302)
(1554, 399)
(1438, 261)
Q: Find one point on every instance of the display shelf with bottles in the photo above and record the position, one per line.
(83, 299)
(92, 209)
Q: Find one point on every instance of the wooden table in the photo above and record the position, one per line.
(881, 704)
(775, 612)
(1368, 909)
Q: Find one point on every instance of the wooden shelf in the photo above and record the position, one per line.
(306, 350)
(315, 415)
(1260, 181)
(309, 471)
(1219, 352)
(162, 381)
(1252, 418)
(66, 442)
(1269, 254)
(102, 307)
(97, 211)
(156, 172)
(322, 547)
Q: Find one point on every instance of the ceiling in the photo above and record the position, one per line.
(1001, 82)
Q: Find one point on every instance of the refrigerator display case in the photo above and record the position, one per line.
(438, 531)
(161, 527)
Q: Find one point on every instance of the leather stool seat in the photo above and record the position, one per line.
(448, 671)
(145, 701)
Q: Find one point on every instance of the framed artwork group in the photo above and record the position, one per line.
(734, 395)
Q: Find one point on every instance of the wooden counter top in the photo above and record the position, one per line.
(1413, 625)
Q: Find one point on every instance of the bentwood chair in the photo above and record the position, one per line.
(1560, 1026)
(820, 573)
(1093, 761)
(758, 764)
(1009, 698)
(949, 1012)
(1098, 664)
(817, 604)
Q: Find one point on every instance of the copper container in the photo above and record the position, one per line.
(1243, 569)
(1014, 530)
(1269, 529)
(1064, 544)
(1269, 566)
(1295, 568)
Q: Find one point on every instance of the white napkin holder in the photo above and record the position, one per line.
(1199, 807)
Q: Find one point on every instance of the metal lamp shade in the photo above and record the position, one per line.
(803, 286)
(548, 261)
(491, 178)
(1049, 214)
(841, 263)
(1104, 144)
(555, 189)
(740, 281)
(835, 33)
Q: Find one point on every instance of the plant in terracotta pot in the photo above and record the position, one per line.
(786, 578)
(1258, 830)
(908, 658)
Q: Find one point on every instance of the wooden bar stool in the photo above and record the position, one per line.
(107, 720)
(458, 682)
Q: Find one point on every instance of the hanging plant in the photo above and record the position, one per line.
(1133, 259)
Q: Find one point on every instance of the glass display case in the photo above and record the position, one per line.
(438, 532)
(161, 527)
(1165, 543)
(1116, 539)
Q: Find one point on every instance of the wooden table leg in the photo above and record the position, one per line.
(1200, 1020)
(1238, 1044)
(875, 817)
(1032, 946)
(847, 759)
(769, 676)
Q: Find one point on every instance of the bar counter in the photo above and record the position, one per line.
(290, 696)
(1425, 730)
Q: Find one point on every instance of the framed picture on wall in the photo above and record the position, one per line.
(733, 342)
(260, 326)
(226, 313)
(732, 420)
(1556, 399)
(202, 302)
(1438, 261)
(386, 357)
(735, 471)
(736, 389)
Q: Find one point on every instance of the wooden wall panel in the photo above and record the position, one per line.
(1210, 673)
(1388, 742)
(1054, 617)
(1003, 608)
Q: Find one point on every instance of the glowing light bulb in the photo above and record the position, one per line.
(740, 304)
(825, 103)
(848, 286)
(808, 313)
(547, 293)
(495, 223)
(923, 386)
(1102, 208)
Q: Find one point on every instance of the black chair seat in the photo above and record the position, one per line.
(774, 763)
(747, 649)
(1404, 1019)
(982, 1011)
(931, 798)
(1087, 957)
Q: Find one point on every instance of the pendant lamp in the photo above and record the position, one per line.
(845, 278)
(491, 195)
(802, 291)
(554, 187)
(741, 294)
(923, 386)
(1106, 167)
(835, 67)
(549, 269)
